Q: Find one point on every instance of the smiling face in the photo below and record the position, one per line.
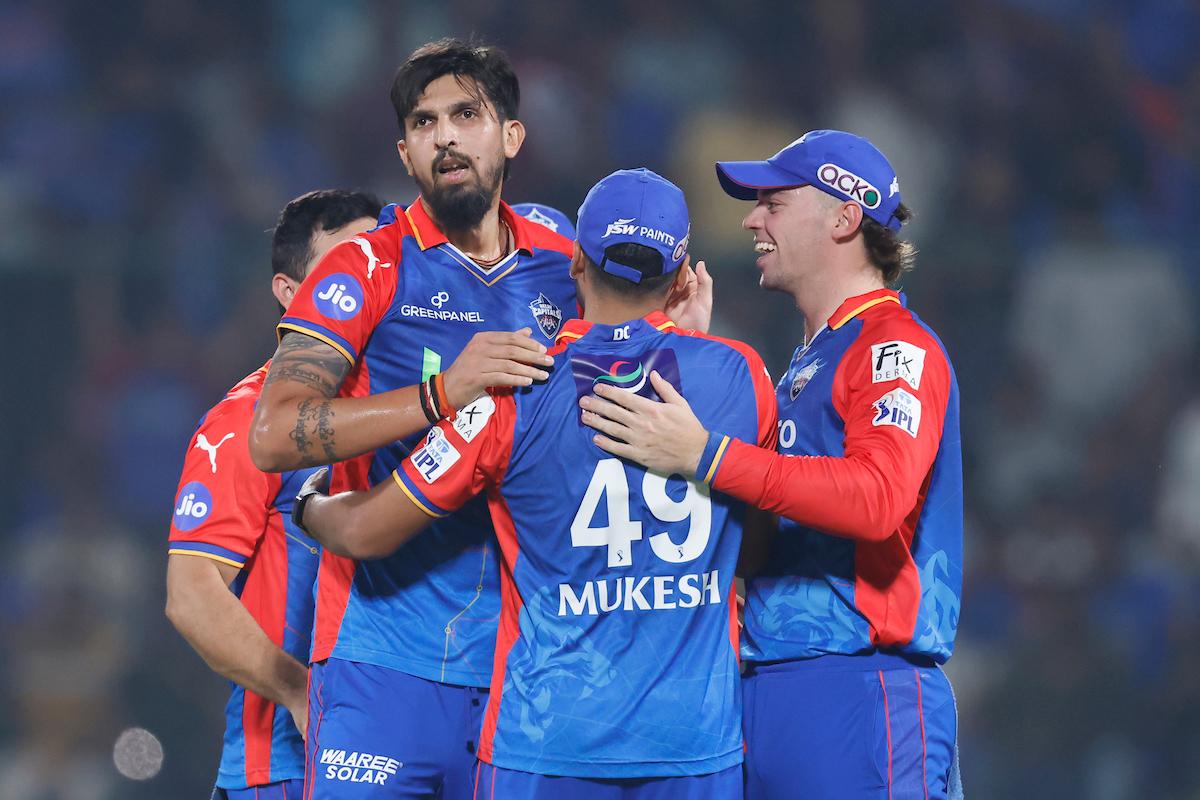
(455, 147)
(793, 229)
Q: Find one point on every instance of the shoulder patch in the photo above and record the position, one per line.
(899, 409)
(435, 457)
(470, 420)
(897, 360)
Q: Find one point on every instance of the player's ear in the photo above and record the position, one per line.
(402, 149)
(681, 275)
(284, 288)
(847, 221)
(514, 136)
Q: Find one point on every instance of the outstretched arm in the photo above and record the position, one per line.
(301, 422)
(360, 525)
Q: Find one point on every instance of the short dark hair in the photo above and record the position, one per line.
(892, 255)
(303, 217)
(640, 257)
(487, 66)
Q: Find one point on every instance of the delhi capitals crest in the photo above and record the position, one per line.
(547, 315)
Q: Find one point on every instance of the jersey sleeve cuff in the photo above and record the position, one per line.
(205, 550)
(317, 332)
(416, 495)
(710, 459)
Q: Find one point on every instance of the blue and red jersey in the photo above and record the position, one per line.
(400, 303)
(229, 511)
(869, 553)
(617, 653)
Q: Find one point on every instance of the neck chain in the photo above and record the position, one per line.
(505, 248)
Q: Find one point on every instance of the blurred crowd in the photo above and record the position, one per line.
(1050, 149)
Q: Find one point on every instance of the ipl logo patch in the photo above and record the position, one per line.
(628, 372)
(547, 315)
(338, 296)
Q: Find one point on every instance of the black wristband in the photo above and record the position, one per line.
(298, 509)
(424, 393)
(433, 399)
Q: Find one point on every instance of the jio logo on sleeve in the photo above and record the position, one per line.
(193, 505)
(338, 296)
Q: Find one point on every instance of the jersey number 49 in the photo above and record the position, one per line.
(610, 482)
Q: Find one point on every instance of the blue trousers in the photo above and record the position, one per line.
(875, 727)
(375, 732)
(282, 790)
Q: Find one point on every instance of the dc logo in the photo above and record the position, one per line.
(439, 299)
(193, 506)
(338, 296)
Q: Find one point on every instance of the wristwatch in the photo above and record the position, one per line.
(307, 491)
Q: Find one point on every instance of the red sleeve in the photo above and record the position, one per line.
(461, 457)
(223, 501)
(348, 293)
(891, 390)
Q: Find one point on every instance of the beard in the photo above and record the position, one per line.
(462, 206)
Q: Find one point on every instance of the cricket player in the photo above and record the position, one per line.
(856, 606)
(395, 330)
(616, 670)
(239, 573)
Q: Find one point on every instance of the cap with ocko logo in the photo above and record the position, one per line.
(841, 164)
(634, 206)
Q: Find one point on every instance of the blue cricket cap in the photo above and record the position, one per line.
(840, 164)
(548, 216)
(634, 206)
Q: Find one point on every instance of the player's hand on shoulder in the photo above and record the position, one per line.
(663, 436)
(495, 358)
(691, 306)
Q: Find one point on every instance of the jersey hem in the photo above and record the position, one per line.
(631, 769)
(181, 551)
(430, 672)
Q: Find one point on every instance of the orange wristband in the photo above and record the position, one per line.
(439, 386)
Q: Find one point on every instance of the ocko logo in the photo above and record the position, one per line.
(850, 184)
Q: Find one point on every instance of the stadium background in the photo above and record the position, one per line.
(1049, 147)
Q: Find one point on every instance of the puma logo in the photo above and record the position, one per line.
(372, 260)
(203, 443)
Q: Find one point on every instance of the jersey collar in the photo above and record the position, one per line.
(575, 329)
(428, 234)
(856, 305)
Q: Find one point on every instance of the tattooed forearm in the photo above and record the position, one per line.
(315, 419)
(325, 431)
(299, 434)
(308, 361)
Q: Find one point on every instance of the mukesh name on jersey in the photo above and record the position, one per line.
(647, 593)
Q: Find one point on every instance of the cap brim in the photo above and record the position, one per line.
(743, 179)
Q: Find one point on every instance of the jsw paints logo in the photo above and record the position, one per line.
(850, 185)
(620, 227)
(338, 296)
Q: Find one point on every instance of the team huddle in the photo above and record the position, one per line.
(473, 531)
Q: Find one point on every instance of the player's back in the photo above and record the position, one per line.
(617, 651)
(229, 511)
